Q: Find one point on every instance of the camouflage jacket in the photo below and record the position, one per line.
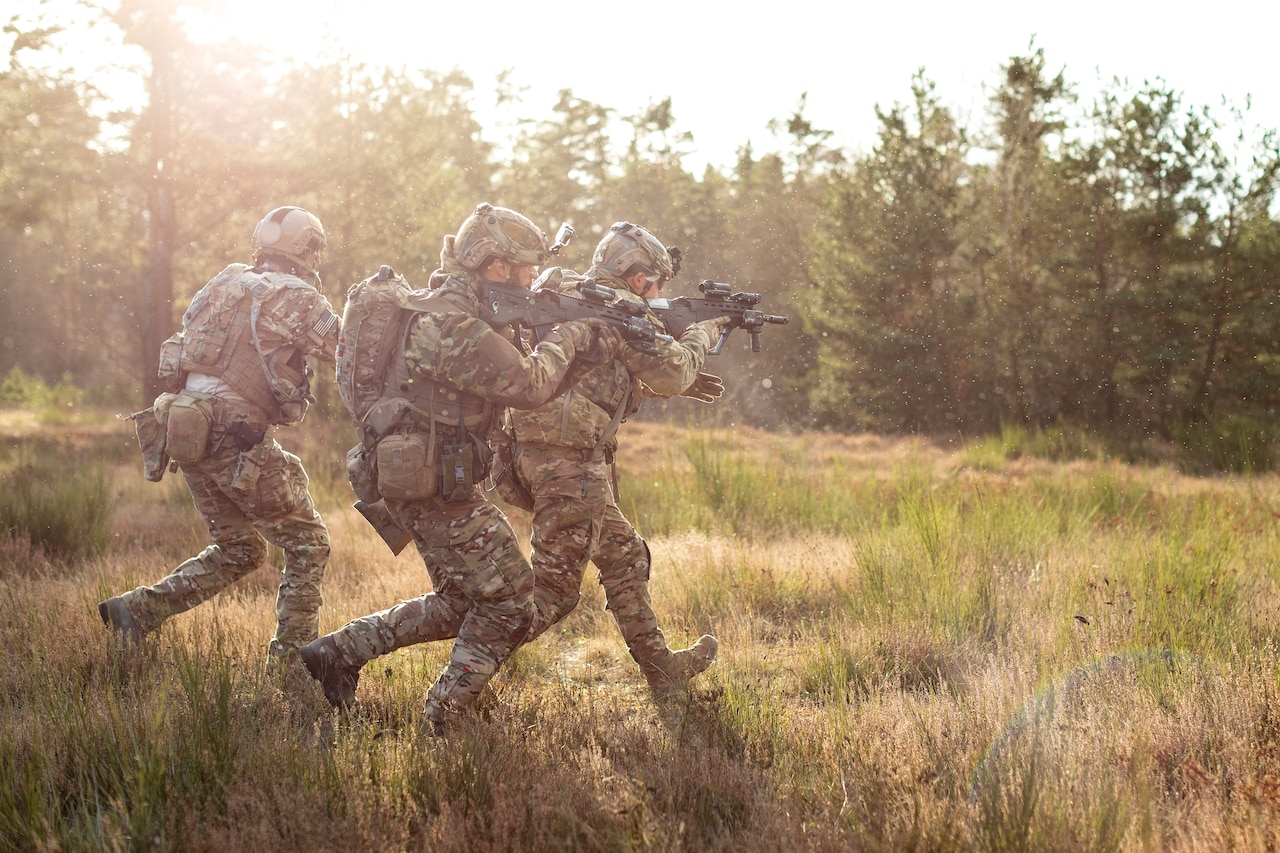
(452, 347)
(581, 417)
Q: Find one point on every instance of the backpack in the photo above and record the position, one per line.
(374, 322)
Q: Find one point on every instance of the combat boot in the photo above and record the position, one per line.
(116, 615)
(338, 678)
(435, 720)
(284, 668)
(672, 678)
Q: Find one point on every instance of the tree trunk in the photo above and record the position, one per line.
(1202, 403)
(157, 286)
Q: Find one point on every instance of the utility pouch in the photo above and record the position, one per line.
(406, 467)
(362, 474)
(170, 372)
(249, 466)
(187, 433)
(457, 473)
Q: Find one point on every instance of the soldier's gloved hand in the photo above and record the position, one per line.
(576, 332)
(707, 387)
(608, 341)
(713, 328)
(593, 339)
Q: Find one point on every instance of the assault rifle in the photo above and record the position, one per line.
(541, 308)
(718, 300)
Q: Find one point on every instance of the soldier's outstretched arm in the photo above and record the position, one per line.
(468, 354)
(676, 365)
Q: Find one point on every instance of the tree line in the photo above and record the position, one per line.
(1109, 265)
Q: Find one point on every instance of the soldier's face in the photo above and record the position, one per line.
(645, 286)
(523, 275)
(502, 271)
(496, 271)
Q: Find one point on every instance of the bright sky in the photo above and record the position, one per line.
(730, 68)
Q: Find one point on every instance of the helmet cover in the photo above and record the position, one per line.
(627, 246)
(293, 233)
(501, 232)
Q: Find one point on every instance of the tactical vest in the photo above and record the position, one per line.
(220, 338)
(587, 416)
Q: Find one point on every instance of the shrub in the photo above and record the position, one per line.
(22, 391)
(1236, 444)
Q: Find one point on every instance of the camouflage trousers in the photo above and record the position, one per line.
(482, 595)
(576, 519)
(247, 500)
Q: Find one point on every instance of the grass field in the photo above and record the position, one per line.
(922, 647)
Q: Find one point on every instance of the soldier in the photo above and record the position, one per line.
(457, 375)
(562, 472)
(240, 365)
(563, 462)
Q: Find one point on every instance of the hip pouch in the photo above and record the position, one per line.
(406, 466)
(462, 466)
(187, 434)
(457, 472)
(249, 467)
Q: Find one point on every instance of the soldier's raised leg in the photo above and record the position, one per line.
(236, 551)
(624, 563)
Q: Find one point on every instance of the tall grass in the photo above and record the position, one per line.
(1236, 444)
(917, 652)
(55, 497)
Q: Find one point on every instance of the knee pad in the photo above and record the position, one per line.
(243, 552)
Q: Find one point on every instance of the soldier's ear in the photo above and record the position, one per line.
(637, 283)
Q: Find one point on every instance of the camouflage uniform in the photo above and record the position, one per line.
(483, 586)
(563, 457)
(247, 497)
(561, 460)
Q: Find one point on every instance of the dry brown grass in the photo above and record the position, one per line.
(1040, 656)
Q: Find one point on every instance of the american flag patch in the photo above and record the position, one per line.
(325, 324)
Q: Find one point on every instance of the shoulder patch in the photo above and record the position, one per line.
(325, 324)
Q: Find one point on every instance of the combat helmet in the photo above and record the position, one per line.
(502, 232)
(291, 233)
(629, 246)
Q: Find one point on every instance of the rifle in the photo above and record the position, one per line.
(718, 300)
(542, 306)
